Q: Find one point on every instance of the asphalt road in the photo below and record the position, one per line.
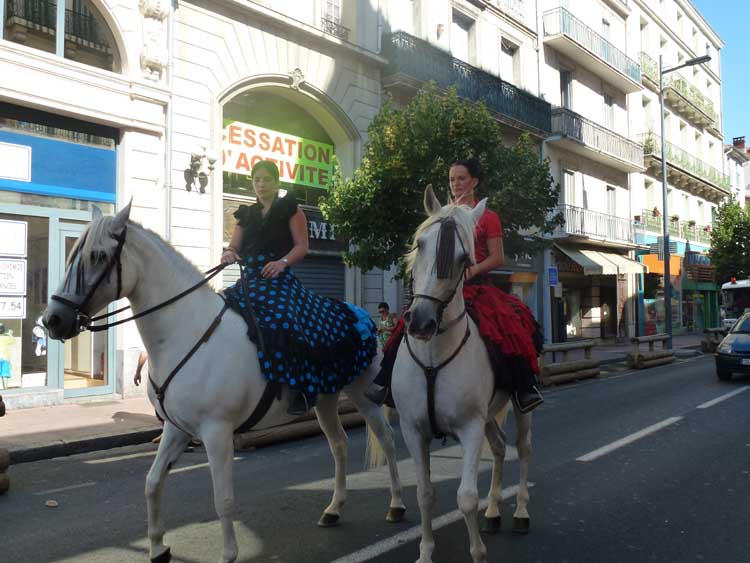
(632, 467)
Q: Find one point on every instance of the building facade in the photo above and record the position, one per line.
(736, 164)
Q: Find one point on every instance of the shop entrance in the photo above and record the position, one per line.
(85, 358)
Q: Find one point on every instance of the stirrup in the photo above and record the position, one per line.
(295, 404)
(377, 396)
(530, 406)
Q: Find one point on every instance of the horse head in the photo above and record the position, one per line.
(442, 249)
(93, 276)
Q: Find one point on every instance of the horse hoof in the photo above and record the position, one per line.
(395, 514)
(491, 525)
(521, 525)
(328, 520)
(165, 557)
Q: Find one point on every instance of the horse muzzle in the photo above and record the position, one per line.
(420, 325)
(63, 321)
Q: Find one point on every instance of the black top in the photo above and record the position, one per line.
(269, 234)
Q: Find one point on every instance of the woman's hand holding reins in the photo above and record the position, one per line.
(229, 256)
(273, 269)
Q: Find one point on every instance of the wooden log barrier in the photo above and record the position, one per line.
(556, 366)
(641, 359)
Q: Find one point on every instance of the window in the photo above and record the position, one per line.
(680, 58)
(569, 185)
(650, 195)
(508, 61)
(606, 30)
(332, 11)
(680, 26)
(683, 134)
(611, 200)
(609, 111)
(565, 89)
(460, 37)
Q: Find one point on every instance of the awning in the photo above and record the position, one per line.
(600, 263)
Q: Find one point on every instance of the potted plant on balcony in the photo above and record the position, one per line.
(707, 229)
(691, 223)
(675, 218)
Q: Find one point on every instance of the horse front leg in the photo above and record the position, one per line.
(327, 412)
(521, 520)
(217, 439)
(171, 446)
(385, 442)
(496, 439)
(471, 437)
(419, 448)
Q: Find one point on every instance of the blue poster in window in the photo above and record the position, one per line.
(60, 168)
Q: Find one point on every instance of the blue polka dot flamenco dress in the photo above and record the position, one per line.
(311, 343)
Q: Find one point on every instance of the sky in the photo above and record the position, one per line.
(730, 19)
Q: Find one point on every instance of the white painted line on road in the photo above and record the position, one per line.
(119, 458)
(196, 466)
(68, 488)
(718, 400)
(604, 450)
(393, 542)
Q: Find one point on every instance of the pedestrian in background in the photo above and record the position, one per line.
(386, 323)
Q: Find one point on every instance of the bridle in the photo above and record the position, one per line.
(83, 320)
(431, 372)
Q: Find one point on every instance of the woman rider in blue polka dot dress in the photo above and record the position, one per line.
(309, 342)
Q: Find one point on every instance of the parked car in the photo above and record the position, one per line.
(733, 353)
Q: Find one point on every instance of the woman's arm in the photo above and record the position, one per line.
(495, 258)
(298, 228)
(232, 252)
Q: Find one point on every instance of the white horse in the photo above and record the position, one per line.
(218, 387)
(443, 343)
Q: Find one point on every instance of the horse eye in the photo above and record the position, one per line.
(98, 256)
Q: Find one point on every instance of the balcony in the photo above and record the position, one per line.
(593, 225)
(652, 222)
(622, 7)
(333, 28)
(684, 98)
(583, 136)
(413, 61)
(571, 36)
(684, 170)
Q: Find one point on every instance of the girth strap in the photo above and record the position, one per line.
(270, 393)
(161, 391)
(430, 373)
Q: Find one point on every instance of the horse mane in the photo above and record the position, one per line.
(99, 231)
(464, 227)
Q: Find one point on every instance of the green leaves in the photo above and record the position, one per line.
(379, 208)
(730, 242)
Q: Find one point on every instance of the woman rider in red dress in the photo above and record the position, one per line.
(512, 336)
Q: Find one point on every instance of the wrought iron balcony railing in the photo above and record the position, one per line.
(589, 223)
(419, 61)
(561, 21)
(42, 15)
(689, 230)
(683, 88)
(684, 160)
(599, 138)
(334, 28)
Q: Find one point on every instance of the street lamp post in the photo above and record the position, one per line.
(665, 213)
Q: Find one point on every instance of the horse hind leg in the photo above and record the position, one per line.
(326, 410)
(472, 441)
(171, 446)
(418, 446)
(217, 439)
(496, 440)
(521, 520)
(382, 442)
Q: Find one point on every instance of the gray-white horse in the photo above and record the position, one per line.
(443, 344)
(218, 387)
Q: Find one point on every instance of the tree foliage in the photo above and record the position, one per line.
(380, 207)
(730, 242)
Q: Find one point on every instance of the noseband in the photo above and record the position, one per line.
(83, 321)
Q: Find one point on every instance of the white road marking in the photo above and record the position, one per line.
(604, 450)
(718, 400)
(119, 458)
(393, 542)
(196, 466)
(68, 488)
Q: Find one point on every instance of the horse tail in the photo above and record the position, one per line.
(375, 453)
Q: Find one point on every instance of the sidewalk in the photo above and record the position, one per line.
(47, 432)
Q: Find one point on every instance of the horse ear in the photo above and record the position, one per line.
(96, 213)
(121, 219)
(431, 203)
(478, 210)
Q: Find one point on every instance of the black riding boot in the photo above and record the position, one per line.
(298, 404)
(377, 395)
(528, 399)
